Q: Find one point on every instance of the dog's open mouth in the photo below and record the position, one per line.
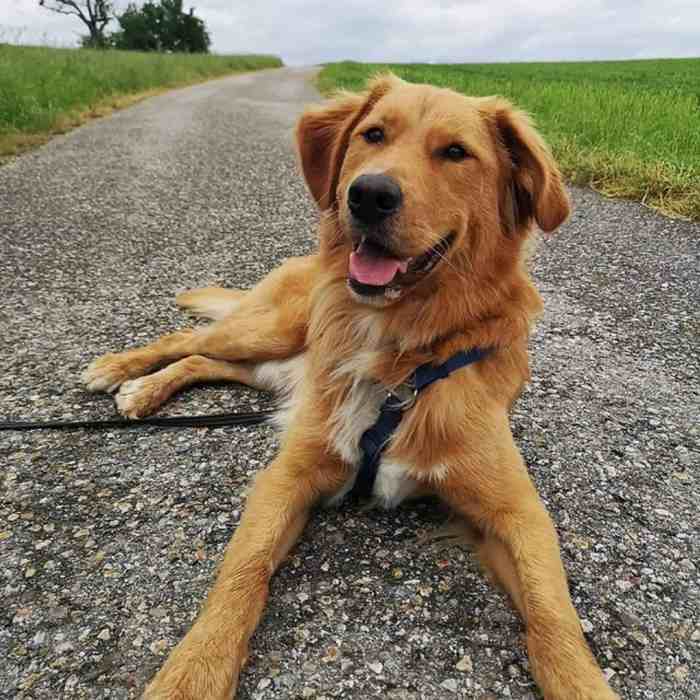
(374, 270)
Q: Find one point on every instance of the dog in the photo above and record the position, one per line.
(428, 199)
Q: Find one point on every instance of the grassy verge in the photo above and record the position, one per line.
(44, 91)
(626, 128)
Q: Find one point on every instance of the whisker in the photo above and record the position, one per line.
(450, 264)
(427, 237)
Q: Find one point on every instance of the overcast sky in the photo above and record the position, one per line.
(313, 31)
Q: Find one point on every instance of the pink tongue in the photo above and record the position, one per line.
(373, 269)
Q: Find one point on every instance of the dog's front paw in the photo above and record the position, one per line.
(193, 677)
(106, 373)
(140, 397)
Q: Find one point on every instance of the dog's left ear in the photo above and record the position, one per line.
(532, 186)
(323, 134)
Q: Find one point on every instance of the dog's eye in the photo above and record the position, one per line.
(374, 135)
(455, 152)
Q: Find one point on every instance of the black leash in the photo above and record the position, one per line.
(214, 421)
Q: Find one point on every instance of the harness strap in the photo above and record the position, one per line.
(377, 437)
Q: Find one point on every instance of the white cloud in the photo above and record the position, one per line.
(313, 31)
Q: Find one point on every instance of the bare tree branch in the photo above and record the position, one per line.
(94, 14)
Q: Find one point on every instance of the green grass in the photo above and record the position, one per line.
(627, 128)
(46, 90)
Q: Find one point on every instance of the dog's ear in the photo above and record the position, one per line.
(323, 134)
(532, 186)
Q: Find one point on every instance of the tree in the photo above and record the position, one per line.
(161, 26)
(190, 32)
(139, 30)
(94, 14)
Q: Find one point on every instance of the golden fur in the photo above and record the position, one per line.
(302, 330)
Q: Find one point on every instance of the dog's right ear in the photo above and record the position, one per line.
(323, 134)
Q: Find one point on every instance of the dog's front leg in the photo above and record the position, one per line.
(517, 543)
(205, 665)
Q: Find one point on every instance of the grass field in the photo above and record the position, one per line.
(627, 128)
(48, 90)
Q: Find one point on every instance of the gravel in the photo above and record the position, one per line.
(108, 540)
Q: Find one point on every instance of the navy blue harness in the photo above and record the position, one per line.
(376, 438)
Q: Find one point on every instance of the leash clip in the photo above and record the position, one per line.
(404, 395)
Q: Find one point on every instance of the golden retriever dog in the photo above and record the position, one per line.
(427, 199)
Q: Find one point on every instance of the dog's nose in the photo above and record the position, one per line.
(372, 198)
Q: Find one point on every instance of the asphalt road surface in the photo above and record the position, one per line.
(109, 539)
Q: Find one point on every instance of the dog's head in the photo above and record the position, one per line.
(417, 178)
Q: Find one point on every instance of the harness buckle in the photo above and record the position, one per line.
(405, 394)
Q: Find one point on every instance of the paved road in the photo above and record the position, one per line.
(108, 540)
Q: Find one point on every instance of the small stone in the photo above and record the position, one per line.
(450, 684)
(587, 626)
(332, 655)
(28, 681)
(624, 586)
(264, 683)
(105, 634)
(58, 613)
(158, 647)
(307, 692)
(629, 618)
(465, 664)
(680, 673)
(608, 673)
(302, 597)
(309, 668)
(399, 694)
(376, 667)
(29, 572)
(639, 637)
(683, 455)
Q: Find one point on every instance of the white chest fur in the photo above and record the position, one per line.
(356, 414)
(358, 411)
